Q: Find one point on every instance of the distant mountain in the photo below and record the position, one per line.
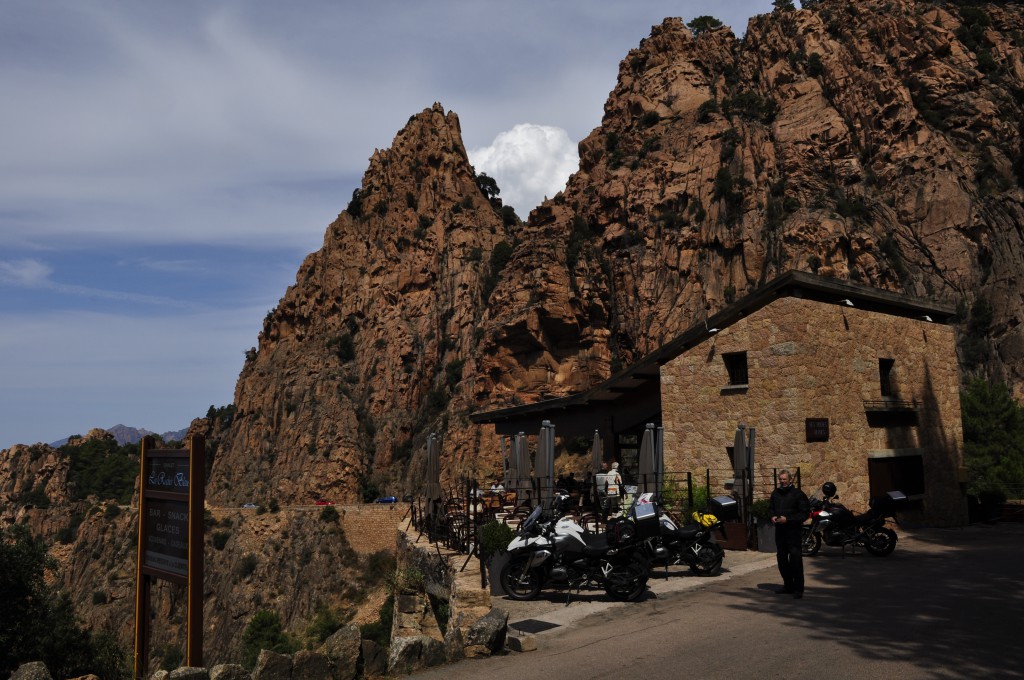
(124, 434)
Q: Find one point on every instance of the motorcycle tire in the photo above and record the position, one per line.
(628, 580)
(810, 542)
(882, 542)
(709, 561)
(519, 581)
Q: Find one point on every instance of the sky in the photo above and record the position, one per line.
(166, 166)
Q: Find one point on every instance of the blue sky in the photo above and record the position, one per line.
(165, 167)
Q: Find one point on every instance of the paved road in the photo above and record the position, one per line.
(949, 603)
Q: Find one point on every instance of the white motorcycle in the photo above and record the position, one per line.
(561, 553)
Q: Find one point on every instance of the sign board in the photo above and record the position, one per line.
(171, 546)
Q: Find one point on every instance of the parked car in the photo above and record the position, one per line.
(386, 499)
(249, 506)
(323, 502)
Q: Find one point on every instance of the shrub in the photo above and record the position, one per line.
(247, 565)
(265, 632)
(99, 597)
(220, 539)
(703, 24)
(325, 624)
(342, 347)
(495, 537)
(329, 514)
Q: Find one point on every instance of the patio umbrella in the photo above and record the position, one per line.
(544, 469)
(597, 453)
(522, 457)
(648, 481)
(508, 464)
(433, 485)
(659, 459)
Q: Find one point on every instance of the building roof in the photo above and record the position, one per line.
(641, 378)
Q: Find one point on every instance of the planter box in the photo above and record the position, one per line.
(765, 537)
(494, 567)
(733, 536)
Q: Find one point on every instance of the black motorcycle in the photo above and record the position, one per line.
(691, 544)
(559, 552)
(832, 523)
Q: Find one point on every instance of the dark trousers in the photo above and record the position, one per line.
(791, 563)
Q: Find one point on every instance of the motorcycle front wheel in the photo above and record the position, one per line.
(627, 581)
(882, 542)
(810, 542)
(709, 561)
(519, 581)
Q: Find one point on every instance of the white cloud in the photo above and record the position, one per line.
(529, 162)
(27, 273)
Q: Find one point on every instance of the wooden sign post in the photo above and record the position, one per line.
(171, 500)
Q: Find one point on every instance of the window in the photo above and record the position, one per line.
(817, 429)
(896, 473)
(736, 365)
(885, 376)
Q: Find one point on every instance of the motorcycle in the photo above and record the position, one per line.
(832, 523)
(693, 544)
(559, 552)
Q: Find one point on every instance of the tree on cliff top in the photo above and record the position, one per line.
(703, 24)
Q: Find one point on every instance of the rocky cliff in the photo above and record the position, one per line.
(877, 141)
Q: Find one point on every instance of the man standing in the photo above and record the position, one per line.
(788, 509)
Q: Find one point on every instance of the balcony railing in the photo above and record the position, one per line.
(889, 406)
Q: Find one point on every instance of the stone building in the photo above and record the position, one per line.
(839, 381)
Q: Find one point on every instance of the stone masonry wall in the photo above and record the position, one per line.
(810, 359)
(372, 527)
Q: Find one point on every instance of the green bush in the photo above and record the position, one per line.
(329, 514)
(220, 539)
(265, 632)
(39, 623)
(326, 622)
(247, 565)
(495, 537)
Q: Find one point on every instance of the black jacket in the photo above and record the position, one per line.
(791, 503)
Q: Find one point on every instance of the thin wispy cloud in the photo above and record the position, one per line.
(33, 274)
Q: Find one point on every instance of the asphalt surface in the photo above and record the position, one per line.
(948, 603)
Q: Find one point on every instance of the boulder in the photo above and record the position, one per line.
(189, 673)
(342, 649)
(229, 671)
(35, 670)
(414, 653)
(374, 660)
(310, 665)
(487, 635)
(272, 666)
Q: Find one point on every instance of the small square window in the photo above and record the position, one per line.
(736, 365)
(817, 429)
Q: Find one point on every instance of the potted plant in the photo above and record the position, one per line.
(765, 530)
(494, 538)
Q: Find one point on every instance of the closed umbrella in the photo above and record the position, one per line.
(597, 453)
(522, 456)
(508, 464)
(647, 470)
(433, 485)
(659, 459)
(544, 470)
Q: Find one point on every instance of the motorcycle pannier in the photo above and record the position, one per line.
(646, 517)
(890, 502)
(620, 530)
(723, 507)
